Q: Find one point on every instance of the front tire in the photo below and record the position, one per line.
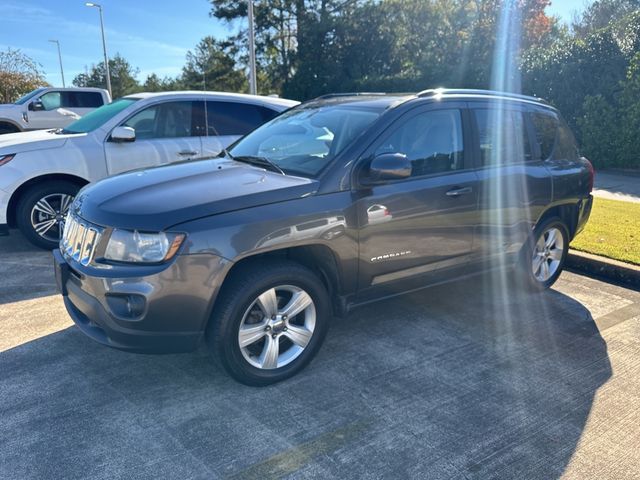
(543, 257)
(8, 128)
(41, 212)
(269, 322)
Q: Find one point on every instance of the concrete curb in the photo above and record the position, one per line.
(625, 273)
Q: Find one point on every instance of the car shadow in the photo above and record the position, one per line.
(26, 271)
(470, 380)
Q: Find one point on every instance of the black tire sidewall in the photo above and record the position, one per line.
(7, 128)
(29, 199)
(237, 300)
(532, 282)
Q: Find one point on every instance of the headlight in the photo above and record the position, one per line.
(6, 158)
(138, 247)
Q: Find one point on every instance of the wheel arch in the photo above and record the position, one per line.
(567, 212)
(17, 194)
(319, 258)
(13, 123)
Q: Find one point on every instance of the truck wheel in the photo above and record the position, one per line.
(544, 255)
(8, 128)
(269, 322)
(42, 209)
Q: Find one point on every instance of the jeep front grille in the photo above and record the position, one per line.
(79, 239)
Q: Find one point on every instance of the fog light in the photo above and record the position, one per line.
(127, 306)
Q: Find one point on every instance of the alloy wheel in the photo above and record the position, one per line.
(547, 254)
(277, 327)
(48, 214)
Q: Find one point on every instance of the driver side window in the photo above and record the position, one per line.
(51, 100)
(432, 141)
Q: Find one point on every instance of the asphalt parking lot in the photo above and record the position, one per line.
(472, 380)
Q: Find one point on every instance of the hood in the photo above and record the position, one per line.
(158, 198)
(30, 141)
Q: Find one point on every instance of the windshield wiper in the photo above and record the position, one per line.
(258, 161)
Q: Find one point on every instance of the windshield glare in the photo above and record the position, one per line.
(305, 140)
(93, 120)
(28, 96)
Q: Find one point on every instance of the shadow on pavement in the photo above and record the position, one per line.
(470, 380)
(25, 271)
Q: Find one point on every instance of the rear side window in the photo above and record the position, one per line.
(83, 99)
(503, 137)
(546, 128)
(432, 141)
(566, 147)
(233, 118)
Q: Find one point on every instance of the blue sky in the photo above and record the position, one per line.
(153, 35)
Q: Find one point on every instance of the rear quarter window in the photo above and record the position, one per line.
(85, 99)
(546, 129)
(566, 146)
(234, 118)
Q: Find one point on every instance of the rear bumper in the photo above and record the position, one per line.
(173, 304)
(584, 211)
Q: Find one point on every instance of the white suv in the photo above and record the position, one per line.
(41, 172)
(50, 108)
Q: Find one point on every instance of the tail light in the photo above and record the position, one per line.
(592, 172)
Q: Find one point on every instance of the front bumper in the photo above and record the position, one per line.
(171, 303)
(4, 206)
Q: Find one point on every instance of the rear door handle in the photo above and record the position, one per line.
(187, 152)
(456, 192)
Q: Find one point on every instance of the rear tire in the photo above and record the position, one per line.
(41, 211)
(250, 333)
(543, 256)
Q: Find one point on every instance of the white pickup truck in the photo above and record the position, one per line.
(50, 108)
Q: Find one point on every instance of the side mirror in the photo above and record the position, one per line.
(123, 134)
(388, 166)
(36, 106)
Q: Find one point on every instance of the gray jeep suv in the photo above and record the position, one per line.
(340, 201)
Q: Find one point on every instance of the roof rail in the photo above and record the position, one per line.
(347, 94)
(465, 91)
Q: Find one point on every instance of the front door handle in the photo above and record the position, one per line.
(187, 152)
(456, 192)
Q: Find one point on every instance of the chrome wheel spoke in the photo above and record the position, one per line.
(555, 254)
(45, 207)
(65, 203)
(299, 302)
(545, 273)
(551, 238)
(538, 260)
(298, 335)
(44, 226)
(270, 353)
(268, 302)
(250, 334)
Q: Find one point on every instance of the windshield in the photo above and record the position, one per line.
(306, 139)
(99, 116)
(28, 96)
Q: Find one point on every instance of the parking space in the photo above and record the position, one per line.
(472, 380)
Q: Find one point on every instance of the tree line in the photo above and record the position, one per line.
(589, 69)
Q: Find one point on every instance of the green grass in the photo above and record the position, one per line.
(613, 231)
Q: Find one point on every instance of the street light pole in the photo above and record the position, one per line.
(104, 45)
(253, 89)
(60, 59)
